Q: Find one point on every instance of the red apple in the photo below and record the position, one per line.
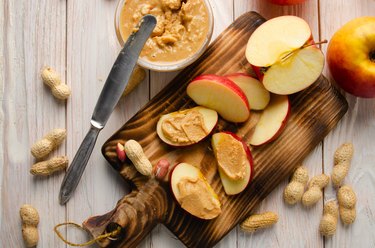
(231, 186)
(220, 94)
(286, 2)
(210, 119)
(183, 171)
(351, 57)
(284, 56)
(254, 90)
(272, 121)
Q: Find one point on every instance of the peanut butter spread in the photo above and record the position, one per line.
(182, 27)
(231, 157)
(184, 127)
(197, 198)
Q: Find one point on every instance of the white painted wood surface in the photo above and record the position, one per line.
(78, 39)
(358, 126)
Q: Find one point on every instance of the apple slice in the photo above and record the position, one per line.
(276, 38)
(254, 90)
(199, 124)
(296, 73)
(193, 192)
(220, 94)
(284, 56)
(232, 186)
(272, 121)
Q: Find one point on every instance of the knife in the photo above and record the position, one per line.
(113, 88)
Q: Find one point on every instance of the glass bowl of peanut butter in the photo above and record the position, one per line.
(182, 33)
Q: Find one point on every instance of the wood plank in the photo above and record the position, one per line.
(223, 17)
(2, 121)
(357, 127)
(32, 35)
(292, 219)
(92, 48)
(306, 128)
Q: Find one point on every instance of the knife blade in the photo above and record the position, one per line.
(111, 93)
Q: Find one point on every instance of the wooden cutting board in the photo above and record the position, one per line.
(315, 112)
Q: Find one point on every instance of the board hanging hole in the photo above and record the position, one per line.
(115, 230)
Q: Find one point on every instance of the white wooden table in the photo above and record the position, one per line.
(78, 39)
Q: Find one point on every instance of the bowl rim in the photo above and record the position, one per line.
(174, 66)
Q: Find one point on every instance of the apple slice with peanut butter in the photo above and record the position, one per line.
(193, 192)
(234, 161)
(186, 127)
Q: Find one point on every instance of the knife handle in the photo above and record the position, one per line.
(78, 165)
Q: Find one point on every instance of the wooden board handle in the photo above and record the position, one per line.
(137, 214)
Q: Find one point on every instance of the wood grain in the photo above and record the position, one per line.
(307, 126)
(357, 127)
(33, 35)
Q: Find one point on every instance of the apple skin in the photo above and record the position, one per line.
(248, 153)
(281, 129)
(258, 72)
(225, 112)
(277, 134)
(351, 57)
(229, 83)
